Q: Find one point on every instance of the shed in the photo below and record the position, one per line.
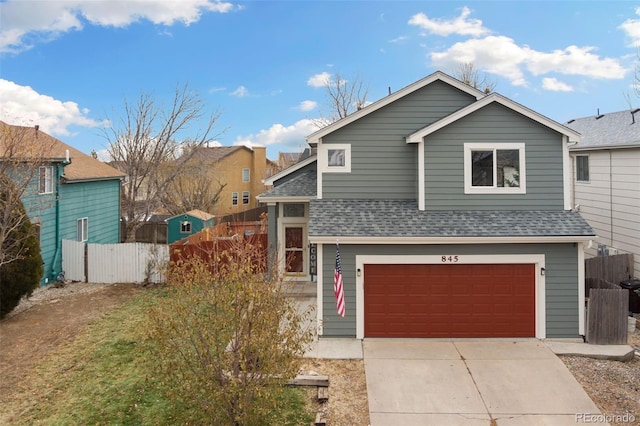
(189, 223)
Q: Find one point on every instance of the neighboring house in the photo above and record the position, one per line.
(606, 181)
(453, 214)
(75, 197)
(241, 169)
(288, 159)
(184, 225)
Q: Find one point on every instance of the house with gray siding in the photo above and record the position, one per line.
(606, 181)
(451, 212)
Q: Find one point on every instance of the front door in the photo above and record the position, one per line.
(294, 249)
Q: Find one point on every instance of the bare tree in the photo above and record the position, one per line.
(343, 98)
(469, 74)
(23, 151)
(146, 145)
(636, 75)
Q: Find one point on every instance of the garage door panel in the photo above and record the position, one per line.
(449, 300)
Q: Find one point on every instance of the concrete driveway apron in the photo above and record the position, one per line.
(427, 382)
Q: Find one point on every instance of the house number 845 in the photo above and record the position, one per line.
(449, 259)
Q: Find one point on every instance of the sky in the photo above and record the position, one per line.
(261, 66)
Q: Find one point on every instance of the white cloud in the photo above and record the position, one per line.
(553, 84)
(398, 39)
(307, 105)
(289, 137)
(319, 80)
(632, 28)
(500, 55)
(21, 105)
(240, 92)
(443, 27)
(23, 25)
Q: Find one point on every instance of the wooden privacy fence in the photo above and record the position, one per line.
(607, 316)
(610, 268)
(114, 263)
(223, 250)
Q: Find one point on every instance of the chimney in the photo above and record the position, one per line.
(37, 127)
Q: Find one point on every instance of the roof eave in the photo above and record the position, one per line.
(600, 147)
(283, 199)
(315, 137)
(271, 179)
(451, 240)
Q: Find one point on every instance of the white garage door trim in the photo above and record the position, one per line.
(452, 259)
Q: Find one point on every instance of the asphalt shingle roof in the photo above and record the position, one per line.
(611, 129)
(401, 218)
(304, 185)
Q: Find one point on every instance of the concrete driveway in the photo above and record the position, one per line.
(426, 382)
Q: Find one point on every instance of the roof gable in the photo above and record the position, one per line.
(418, 136)
(437, 76)
(83, 167)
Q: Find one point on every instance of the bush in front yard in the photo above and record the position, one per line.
(226, 339)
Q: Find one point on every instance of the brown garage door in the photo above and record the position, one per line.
(449, 300)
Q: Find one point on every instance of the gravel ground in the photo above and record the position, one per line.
(614, 386)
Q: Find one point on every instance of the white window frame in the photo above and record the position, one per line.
(45, 178)
(588, 169)
(183, 225)
(246, 175)
(234, 198)
(469, 189)
(82, 229)
(323, 158)
(246, 198)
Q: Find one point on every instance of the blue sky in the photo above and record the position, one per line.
(67, 65)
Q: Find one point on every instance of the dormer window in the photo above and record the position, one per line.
(494, 168)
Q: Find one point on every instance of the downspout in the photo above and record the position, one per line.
(58, 253)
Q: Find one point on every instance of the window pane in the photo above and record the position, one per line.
(234, 198)
(246, 175)
(336, 158)
(582, 168)
(508, 163)
(481, 168)
(245, 197)
(293, 210)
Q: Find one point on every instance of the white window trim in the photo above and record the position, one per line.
(83, 225)
(469, 189)
(186, 222)
(588, 164)
(323, 160)
(295, 221)
(248, 198)
(248, 179)
(234, 196)
(537, 259)
(48, 180)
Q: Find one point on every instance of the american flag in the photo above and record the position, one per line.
(338, 288)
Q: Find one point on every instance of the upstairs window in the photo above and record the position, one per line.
(582, 168)
(335, 158)
(234, 198)
(494, 168)
(46, 180)
(246, 175)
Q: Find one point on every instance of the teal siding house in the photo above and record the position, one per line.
(186, 224)
(450, 210)
(73, 197)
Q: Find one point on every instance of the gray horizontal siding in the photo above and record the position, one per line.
(561, 275)
(444, 162)
(383, 165)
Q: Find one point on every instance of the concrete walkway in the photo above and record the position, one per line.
(426, 382)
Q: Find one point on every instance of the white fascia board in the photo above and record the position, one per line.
(448, 240)
(481, 103)
(271, 179)
(271, 200)
(602, 147)
(314, 138)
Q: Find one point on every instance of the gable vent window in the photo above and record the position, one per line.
(582, 168)
(494, 168)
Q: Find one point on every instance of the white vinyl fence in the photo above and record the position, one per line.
(115, 263)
